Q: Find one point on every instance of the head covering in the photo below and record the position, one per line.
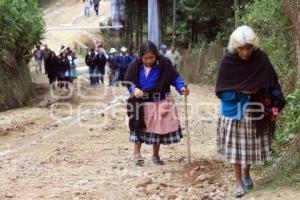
(112, 50)
(123, 49)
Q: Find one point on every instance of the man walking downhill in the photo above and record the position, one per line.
(100, 62)
(174, 56)
(111, 64)
(122, 62)
(89, 60)
(96, 6)
(87, 7)
(38, 58)
(46, 54)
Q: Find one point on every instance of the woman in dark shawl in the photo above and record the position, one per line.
(151, 110)
(251, 99)
(51, 65)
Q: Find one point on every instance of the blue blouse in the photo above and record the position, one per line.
(151, 80)
(234, 104)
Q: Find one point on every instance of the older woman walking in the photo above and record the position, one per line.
(251, 98)
(152, 114)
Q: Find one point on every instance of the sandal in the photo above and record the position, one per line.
(239, 192)
(138, 161)
(157, 161)
(248, 182)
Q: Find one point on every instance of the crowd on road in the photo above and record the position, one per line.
(61, 68)
(118, 62)
(113, 63)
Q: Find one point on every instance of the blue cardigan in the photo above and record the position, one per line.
(151, 80)
(234, 104)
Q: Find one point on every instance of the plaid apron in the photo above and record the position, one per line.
(162, 123)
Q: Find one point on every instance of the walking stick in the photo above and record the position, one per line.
(187, 128)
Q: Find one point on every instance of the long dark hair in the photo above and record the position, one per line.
(148, 47)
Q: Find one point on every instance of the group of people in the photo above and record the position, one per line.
(96, 61)
(250, 100)
(118, 64)
(91, 3)
(61, 68)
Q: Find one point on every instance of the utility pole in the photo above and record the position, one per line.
(174, 23)
(236, 13)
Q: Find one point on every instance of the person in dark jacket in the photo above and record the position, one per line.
(100, 62)
(121, 63)
(96, 6)
(90, 61)
(111, 64)
(63, 69)
(51, 66)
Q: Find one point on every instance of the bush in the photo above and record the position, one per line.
(22, 27)
(289, 124)
(270, 21)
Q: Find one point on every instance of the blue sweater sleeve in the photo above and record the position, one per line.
(178, 84)
(234, 105)
(131, 89)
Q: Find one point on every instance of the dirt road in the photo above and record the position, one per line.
(74, 145)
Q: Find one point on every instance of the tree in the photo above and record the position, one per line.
(21, 26)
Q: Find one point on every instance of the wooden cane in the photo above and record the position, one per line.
(187, 129)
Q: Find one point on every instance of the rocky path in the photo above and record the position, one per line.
(78, 148)
(75, 145)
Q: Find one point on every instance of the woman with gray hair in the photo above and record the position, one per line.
(251, 99)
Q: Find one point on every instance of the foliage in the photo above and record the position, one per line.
(270, 22)
(289, 124)
(202, 23)
(197, 21)
(22, 27)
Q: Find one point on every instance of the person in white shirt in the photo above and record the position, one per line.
(87, 7)
(174, 56)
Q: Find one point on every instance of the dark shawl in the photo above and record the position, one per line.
(256, 73)
(167, 76)
(51, 66)
(253, 74)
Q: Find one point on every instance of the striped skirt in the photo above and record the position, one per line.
(152, 138)
(242, 142)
